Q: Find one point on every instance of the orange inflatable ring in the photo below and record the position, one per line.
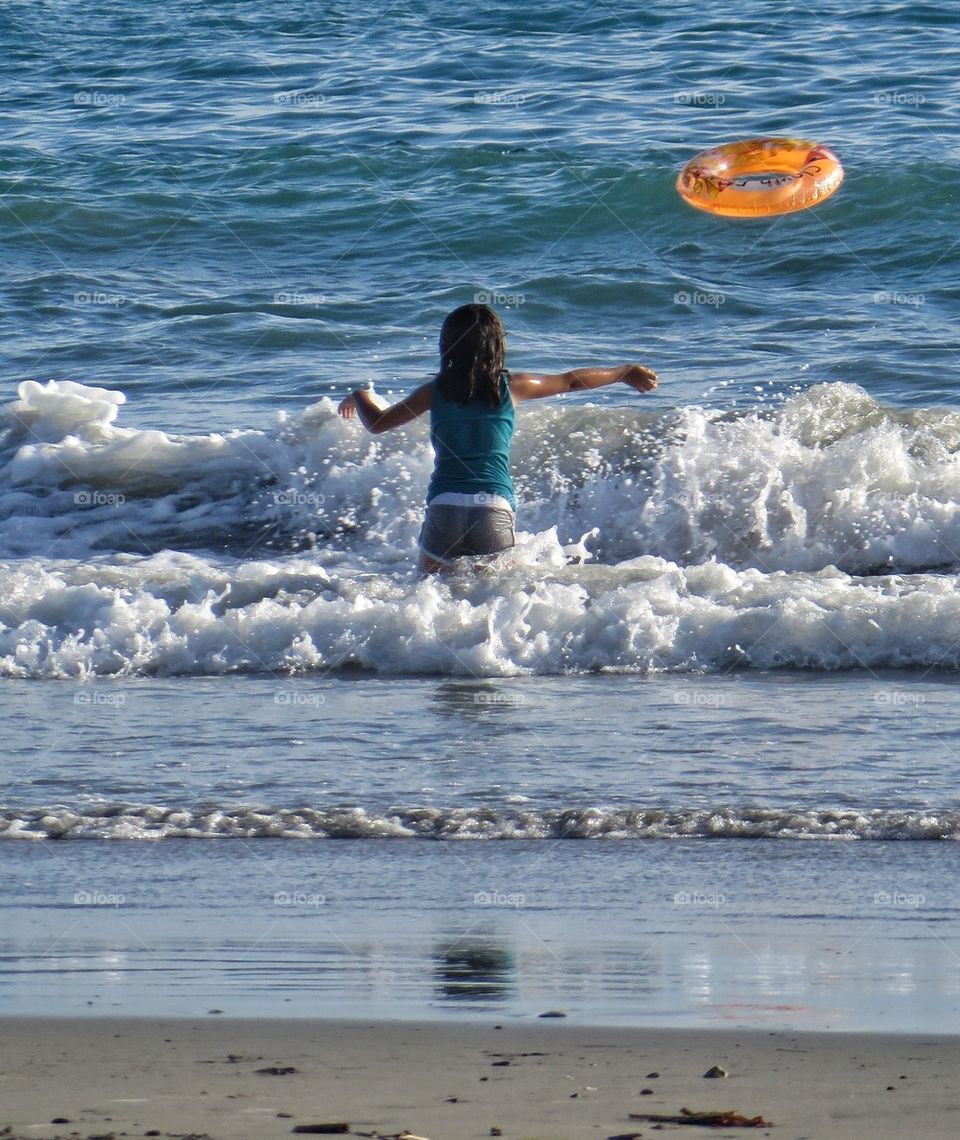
(758, 178)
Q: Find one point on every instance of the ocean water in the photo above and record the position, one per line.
(732, 613)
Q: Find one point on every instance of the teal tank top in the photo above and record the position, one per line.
(472, 445)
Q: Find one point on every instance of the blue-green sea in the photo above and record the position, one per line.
(687, 754)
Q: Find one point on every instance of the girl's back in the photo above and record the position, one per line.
(472, 444)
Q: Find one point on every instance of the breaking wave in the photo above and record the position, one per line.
(821, 534)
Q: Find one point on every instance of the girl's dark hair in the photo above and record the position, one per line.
(471, 355)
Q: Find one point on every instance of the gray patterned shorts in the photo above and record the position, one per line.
(450, 532)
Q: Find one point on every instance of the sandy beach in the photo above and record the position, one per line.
(550, 1080)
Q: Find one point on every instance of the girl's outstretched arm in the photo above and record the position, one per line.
(535, 385)
(377, 419)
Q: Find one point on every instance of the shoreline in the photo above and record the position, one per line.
(240, 1079)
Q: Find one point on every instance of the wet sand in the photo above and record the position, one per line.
(549, 1079)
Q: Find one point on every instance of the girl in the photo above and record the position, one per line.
(470, 501)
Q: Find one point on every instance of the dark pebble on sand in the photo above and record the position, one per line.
(646, 1092)
(652, 1076)
(323, 1129)
(59, 1120)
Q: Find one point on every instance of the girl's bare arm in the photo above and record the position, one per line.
(536, 385)
(378, 420)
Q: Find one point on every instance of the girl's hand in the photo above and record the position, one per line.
(348, 407)
(640, 378)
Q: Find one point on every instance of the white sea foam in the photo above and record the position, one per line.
(154, 821)
(716, 542)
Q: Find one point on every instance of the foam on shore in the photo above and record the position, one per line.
(226, 821)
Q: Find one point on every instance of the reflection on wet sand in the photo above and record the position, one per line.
(474, 970)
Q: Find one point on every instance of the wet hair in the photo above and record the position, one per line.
(471, 355)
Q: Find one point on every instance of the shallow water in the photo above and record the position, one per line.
(694, 932)
(752, 848)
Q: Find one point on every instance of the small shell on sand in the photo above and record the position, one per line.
(716, 1071)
